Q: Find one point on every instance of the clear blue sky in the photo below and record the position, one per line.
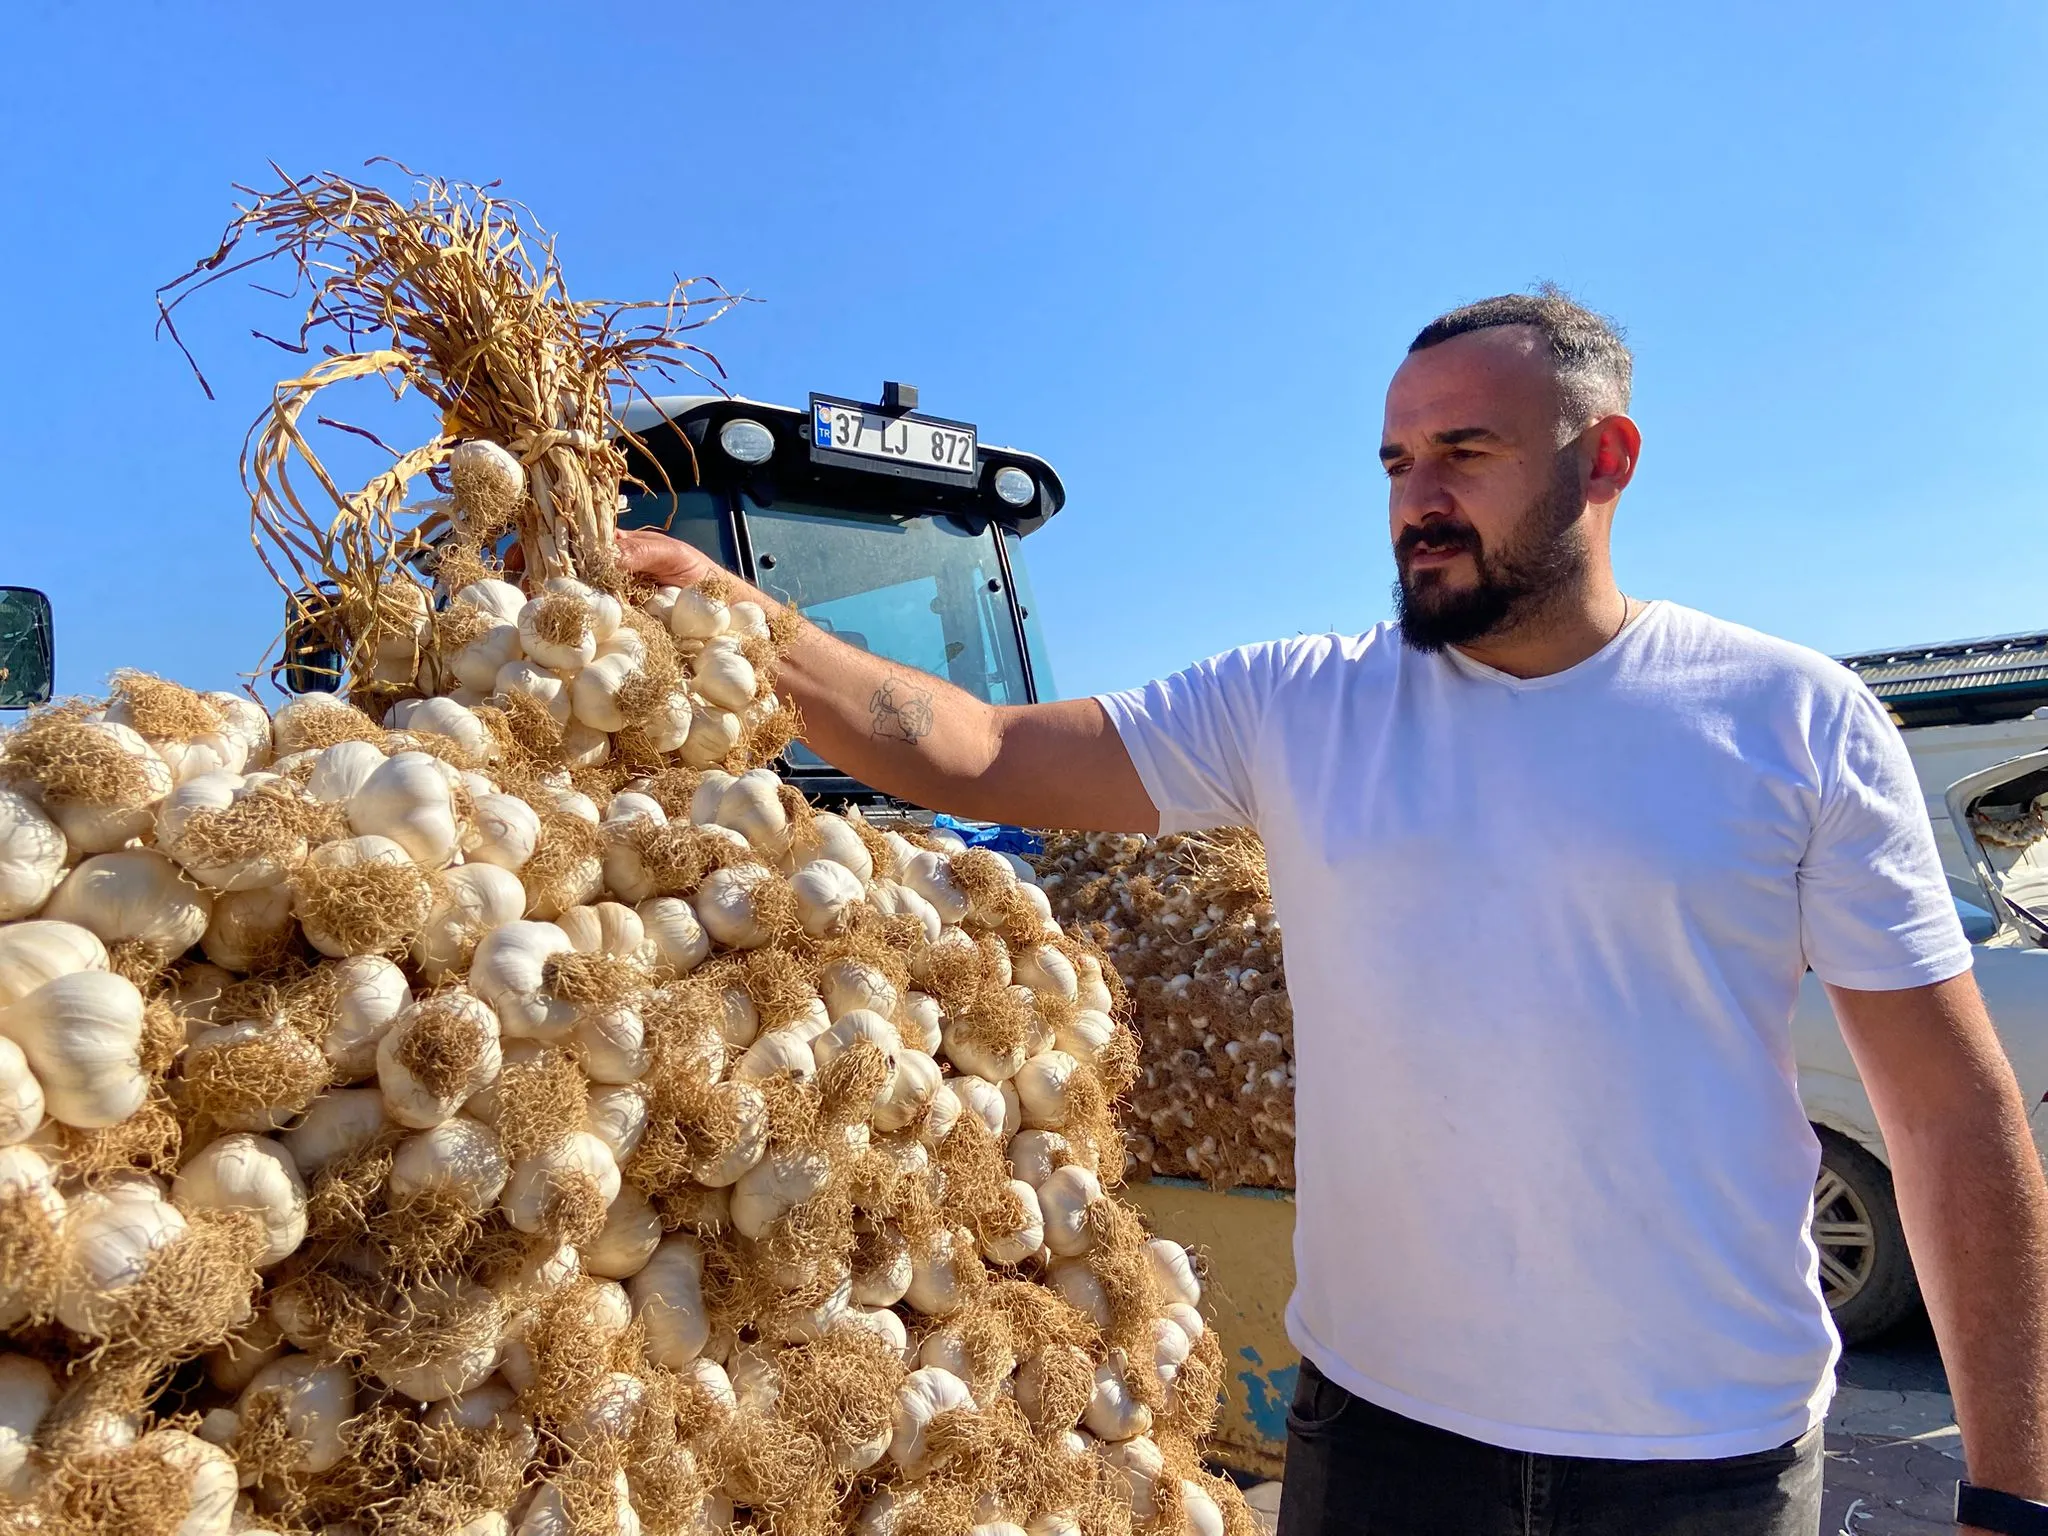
(1174, 248)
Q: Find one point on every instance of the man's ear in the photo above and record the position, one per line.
(1617, 444)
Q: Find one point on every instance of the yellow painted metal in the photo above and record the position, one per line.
(1246, 1240)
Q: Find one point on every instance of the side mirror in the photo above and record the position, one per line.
(28, 648)
(312, 661)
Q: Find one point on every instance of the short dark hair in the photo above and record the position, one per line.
(1594, 368)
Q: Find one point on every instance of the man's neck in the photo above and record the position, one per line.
(1557, 638)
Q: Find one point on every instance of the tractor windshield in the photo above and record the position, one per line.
(926, 591)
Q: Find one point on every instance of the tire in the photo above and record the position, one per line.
(1866, 1273)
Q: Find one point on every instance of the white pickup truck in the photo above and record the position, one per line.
(2000, 837)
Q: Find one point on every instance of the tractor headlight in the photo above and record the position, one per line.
(1016, 487)
(747, 441)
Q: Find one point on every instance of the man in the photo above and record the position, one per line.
(1551, 861)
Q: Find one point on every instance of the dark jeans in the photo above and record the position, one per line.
(1354, 1469)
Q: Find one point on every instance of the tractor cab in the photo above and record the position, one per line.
(897, 531)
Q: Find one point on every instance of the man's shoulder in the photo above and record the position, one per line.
(1697, 640)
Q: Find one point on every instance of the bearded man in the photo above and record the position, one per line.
(1551, 861)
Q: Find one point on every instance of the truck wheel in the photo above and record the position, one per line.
(1865, 1272)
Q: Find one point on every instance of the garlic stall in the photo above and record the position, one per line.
(1187, 922)
(485, 1099)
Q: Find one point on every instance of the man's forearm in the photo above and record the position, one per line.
(1970, 1192)
(917, 737)
(1975, 1208)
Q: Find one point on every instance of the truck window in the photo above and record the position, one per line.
(925, 591)
(1034, 635)
(695, 517)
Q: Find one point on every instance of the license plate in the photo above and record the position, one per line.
(910, 442)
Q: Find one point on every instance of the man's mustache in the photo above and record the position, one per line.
(1437, 538)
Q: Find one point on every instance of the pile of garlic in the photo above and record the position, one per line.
(1187, 922)
(517, 1115)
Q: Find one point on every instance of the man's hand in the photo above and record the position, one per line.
(665, 561)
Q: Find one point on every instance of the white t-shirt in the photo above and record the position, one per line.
(1544, 939)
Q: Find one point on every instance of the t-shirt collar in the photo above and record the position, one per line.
(1598, 661)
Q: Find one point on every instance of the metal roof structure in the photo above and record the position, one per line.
(1997, 675)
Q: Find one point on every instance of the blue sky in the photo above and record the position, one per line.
(1174, 248)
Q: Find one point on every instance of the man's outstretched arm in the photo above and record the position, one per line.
(918, 737)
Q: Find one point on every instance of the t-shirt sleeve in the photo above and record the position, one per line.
(1193, 737)
(1875, 912)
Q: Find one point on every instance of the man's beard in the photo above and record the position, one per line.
(1538, 563)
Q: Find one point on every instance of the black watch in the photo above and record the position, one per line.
(2006, 1513)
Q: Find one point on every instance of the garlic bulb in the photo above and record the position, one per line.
(627, 1241)
(931, 876)
(27, 1389)
(1041, 1085)
(342, 854)
(925, 1394)
(594, 694)
(435, 1055)
(82, 1035)
(1085, 1034)
(935, 1268)
(21, 1097)
(713, 735)
(911, 1086)
(994, 1104)
(1065, 1198)
(749, 1110)
(340, 1123)
(775, 1186)
(509, 971)
(446, 717)
(694, 616)
(102, 820)
(679, 940)
(408, 800)
(234, 1364)
(506, 831)
(32, 854)
(32, 953)
(249, 928)
(1113, 1413)
(604, 927)
(617, 1115)
(726, 904)
(530, 680)
(535, 1180)
(469, 901)
(240, 1172)
(825, 892)
(458, 1158)
(315, 1399)
(136, 895)
(723, 676)
(369, 993)
(1142, 1466)
(26, 1177)
(668, 1299)
(492, 1408)
(607, 1414)
(778, 1052)
(342, 769)
(827, 836)
(850, 984)
(275, 845)
(1024, 1238)
(211, 1480)
(450, 1346)
(751, 805)
(108, 1244)
(1174, 1272)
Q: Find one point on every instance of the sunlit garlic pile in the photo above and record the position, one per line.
(520, 1114)
(1187, 922)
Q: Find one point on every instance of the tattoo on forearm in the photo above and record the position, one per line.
(902, 711)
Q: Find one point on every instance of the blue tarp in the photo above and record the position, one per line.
(992, 835)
